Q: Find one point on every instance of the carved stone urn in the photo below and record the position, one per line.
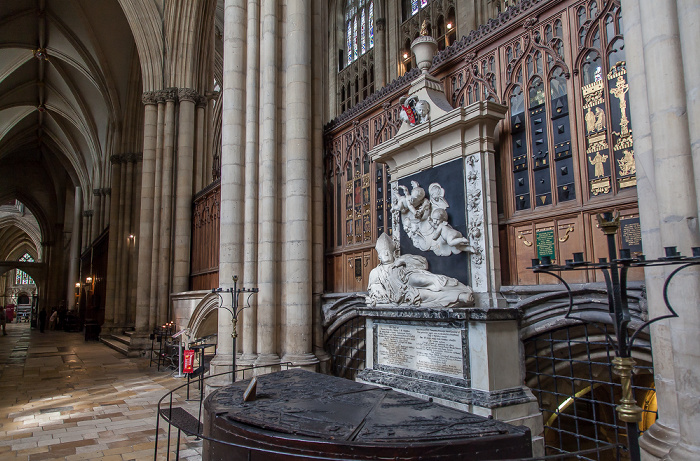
(424, 48)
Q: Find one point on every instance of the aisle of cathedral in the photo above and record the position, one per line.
(373, 173)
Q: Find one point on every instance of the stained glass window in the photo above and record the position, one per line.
(349, 42)
(423, 3)
(414, 7)
(371, 25)
(21, 277)
(363, 33)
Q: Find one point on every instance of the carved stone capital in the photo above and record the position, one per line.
(107, 191)
(88, 213)
(201, 101)
(116, 159)
(187, 94)
(380, 24)
(169, 94)
(97, 192)
(149, 97)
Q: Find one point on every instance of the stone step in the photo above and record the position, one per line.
(129, 332)
(116, 342)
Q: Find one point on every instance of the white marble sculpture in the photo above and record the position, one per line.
(425, 220)
(406, 280)
(414, 111)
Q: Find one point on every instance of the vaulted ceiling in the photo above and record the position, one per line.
(69, 73)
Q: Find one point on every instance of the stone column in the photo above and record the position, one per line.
(298, 313)
(380, 54)
(267, 239)
(250, 233)
(232, 174)
(676, 195)
(166, 207)
(97, 208)
(74, 261)
(87, 214)
(123, 243)
(106, 209)
(111, 287)
(157, 201)
(200, 142)
(183, 192)
(145, 233)
(659, 438)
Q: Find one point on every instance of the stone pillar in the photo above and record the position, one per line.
(87, 214)
(267, 239)
(659, 438)
(145, 233)
(183, 192)
(200, 142)
(111, 287)
(232, 173)
(96, 229)
(74, 261)
(250, 233)
(166, 206)
(674, 187)
(297, 298)
(123, 243)
(157, 201)
(106, 209)
(379, 54)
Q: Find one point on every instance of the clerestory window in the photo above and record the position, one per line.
(359, 28)
(21, 277)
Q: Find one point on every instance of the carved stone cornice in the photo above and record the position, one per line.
(88, 213)
(149, 97)
(187, 94)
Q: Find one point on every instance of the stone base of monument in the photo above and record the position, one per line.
(465, 358)
(301, 415)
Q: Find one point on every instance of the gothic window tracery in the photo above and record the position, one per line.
(542, 157)
(356, 76)
(21, 277)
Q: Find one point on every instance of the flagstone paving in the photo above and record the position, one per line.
(64, 398)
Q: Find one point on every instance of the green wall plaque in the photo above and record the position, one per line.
(545, 243)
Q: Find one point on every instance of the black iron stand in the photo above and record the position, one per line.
(615, 272)
(234, 310)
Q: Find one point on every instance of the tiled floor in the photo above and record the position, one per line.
(62, 398)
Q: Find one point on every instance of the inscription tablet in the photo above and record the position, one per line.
(426, 349)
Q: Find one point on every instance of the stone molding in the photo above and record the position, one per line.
(107, 191)
(131, 157)
(168, 94)
(380, 24)
(97, 192)
(149, 97)
(187, 94)
(88, 213)
(201, 101)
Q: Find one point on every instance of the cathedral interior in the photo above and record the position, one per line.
(153, 152)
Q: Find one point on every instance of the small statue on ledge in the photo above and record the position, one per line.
(406, 280)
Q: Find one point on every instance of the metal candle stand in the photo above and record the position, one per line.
(234, 310)
(615, 272)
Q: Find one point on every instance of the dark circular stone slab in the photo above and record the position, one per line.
(303, 415)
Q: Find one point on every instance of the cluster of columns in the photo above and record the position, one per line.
(96, 219)
(661, 41)
(271, 180)
(122, 244)
(176, 163)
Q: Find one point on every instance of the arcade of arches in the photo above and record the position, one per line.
(150, 150)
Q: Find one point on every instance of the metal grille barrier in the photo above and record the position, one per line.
(570, 372)
(346, 347)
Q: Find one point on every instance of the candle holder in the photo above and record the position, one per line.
(615, 271)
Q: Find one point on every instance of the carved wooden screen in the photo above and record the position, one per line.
(552, 64)
(204, 264)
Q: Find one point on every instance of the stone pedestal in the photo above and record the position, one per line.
(465, 358)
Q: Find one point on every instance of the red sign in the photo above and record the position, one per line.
(188, 361)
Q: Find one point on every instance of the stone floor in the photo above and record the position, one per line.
(64, 398)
